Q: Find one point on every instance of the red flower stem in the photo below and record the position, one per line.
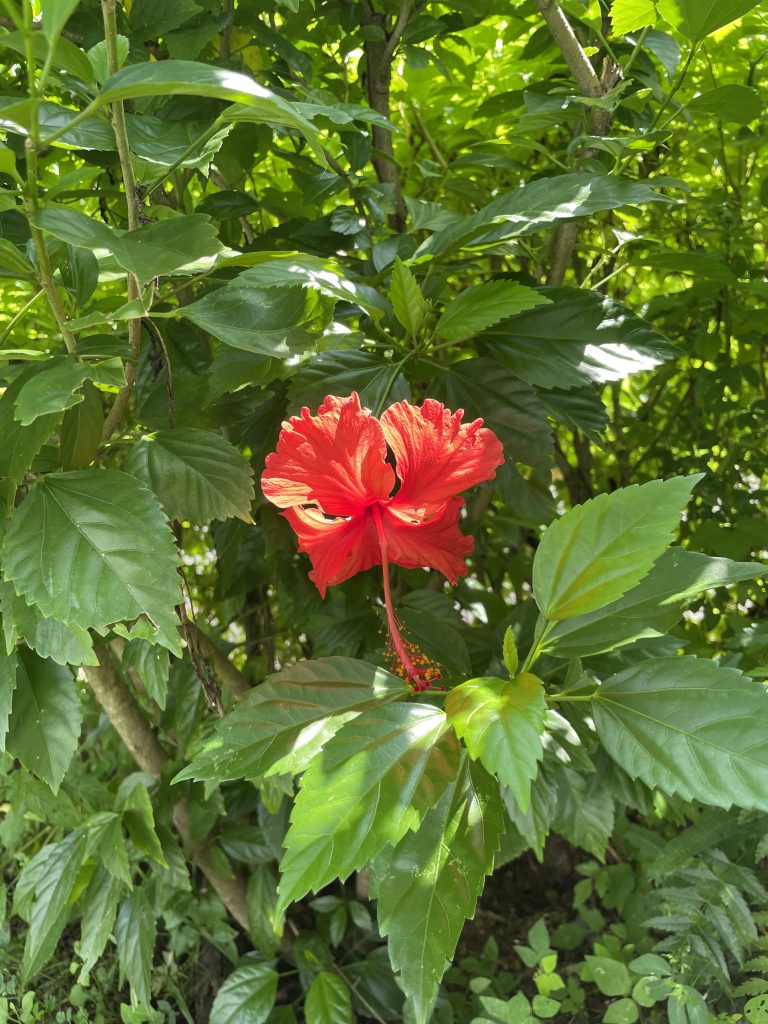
(410, 669)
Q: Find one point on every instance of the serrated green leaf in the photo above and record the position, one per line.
(688, 726)
(51, 390)
(630, 15)
(274, 323)
(584, 811)
(374, 781)
(81, 429)
(20, 444)
(139, 821)
(652, 607)
(196, 474)
(246, 997)
(698, 18)
(581, 337)
(509, 652)
(7, 686)
(99, 913)
(45, 720)
(282, 724)
(50, 910)
(135, 933)
(328, 1001)
(484, 305)
(430, 882)
(501, 723)
(66, 643)
(93, 547)
(598, 551)
(407, 299)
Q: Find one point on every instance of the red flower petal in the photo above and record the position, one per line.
(338, 548)
(437, 456)
(336, 459)
(437, 543)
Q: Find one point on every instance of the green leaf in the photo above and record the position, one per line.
(153, 250)
(536, 206)
(93, 547)
(581, 337)
(630, 15)
(598, 551)
(50, 910)
(20, 444)
(273, 323)
(7, 686)
(81, 429)
(99, 912)
(51, 390)
(328, 1001)
(508, 406)
(196, 474)
(139, 821)
(341, 373)
(188, 78)
(623, 1011)
(135, 933)
(148, 19)
(282, 724)
(55, 16)
(66, 55)
(430, 882)
(688, 726)
(64, 642)
(407, 299)
(652, 607)
(261, 899)
(485, 305)
(509, 653)
(374, 781)
(738, 104)
(584, 811)
(45, 721)
(610, 976)
(698, 18)
(501, 724)
(246, 997)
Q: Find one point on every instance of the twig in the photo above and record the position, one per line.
(222, 666)
(584, 74)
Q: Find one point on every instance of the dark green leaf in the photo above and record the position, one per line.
(246, 997)
(501, 724)
(136, 932)
(652, 607)
(50, 909)
(430, 882)
(139, 821)
(598, 551)
(148, 19)
(372, 783)
(93, 547)
(7, 686)
(20, 444)
(328, 1001)
(282, 723)
(583, 811)
(197, 474)
(81, 429)
(689, 727)
(484, 305)
(341, 373)
(45, 721)
(581, 337)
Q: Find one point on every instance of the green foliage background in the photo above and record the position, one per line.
(216, 212)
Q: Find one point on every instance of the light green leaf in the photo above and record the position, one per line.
(7, 686)
(81, 429)
(66, 643)
(623, 1011)
(536, 206)
(51, 390)
(610, 976)
(407, 299)
(98, 59)
(598, 551)
(484, 305)
(274, 323)
(689, 727)
(510, 655)
(45, 721)
(630, 15)
(374, 781)
(652, 607)
(581, 337)
(282, 723)
(738, 104)
(246, 997)
(99, 912)
(135, 933)
(93, 547)
(55, 16)
(328, 1001)
(139, 821)
(698, 18)
(430, 882)
(501, 724)
(261, 899)
(50, 910)
(196, 474)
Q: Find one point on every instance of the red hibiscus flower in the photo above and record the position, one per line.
(331, 476)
